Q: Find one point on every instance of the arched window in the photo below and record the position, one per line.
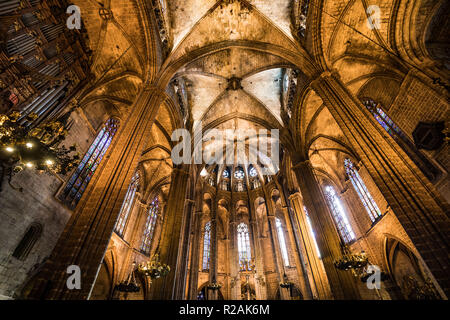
(225, 183)
(425, 165)
(150, 226)
(244, 247)
(252, 171)
(127, 204)
(364, 194)
(28, 241)
(206, 246)
(308, 221)
(282, 241)
(239, 179)
(80, 179)
(339, 215)
(239, 173)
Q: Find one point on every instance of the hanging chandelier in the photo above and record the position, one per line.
(350, 261)
(359, 265)
(214, 285)
(129, 285)
(286, 284)
(154, 268)
(36, 148)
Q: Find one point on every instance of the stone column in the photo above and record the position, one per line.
(261, 291)
(165, 288)
(318, 279)
(213, 294)
(420, 209)
(302, 277)
(235, 283)
(342, 283)
(88, 232)
(195, 255)
(183, 257)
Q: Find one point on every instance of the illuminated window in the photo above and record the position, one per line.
(150, 226)
(226, 173)
(239, 173)
(282, 241)
(425, 165)
(339, 215)
(361, 189)
(80, 179)
(244, 247)
(127, 204)
(206, 246)
(308, 221)
(252, 172)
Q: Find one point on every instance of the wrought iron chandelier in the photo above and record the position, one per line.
(34, 148)
(350, 261)
(129, 285)
(286, 284)
(358, 264)
(154, 268)
(214, 285)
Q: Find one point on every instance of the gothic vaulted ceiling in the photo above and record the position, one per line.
(222, 53)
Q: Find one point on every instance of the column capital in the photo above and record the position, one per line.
(295, 195)
(143, 204)
(301, 164)
(326, 74)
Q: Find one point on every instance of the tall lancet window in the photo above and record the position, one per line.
(282, 241)
(83, 174)
(339, 215)
(206, 246)
(127, 204)
(364, 194)
(308, 221)
(244, 247)
(432, 172)
(150, 224)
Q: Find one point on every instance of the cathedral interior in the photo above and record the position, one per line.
(355, 208)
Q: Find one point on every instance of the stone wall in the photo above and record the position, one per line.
(36, 204)
(417, 102)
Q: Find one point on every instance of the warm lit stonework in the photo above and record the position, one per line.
(358, 93)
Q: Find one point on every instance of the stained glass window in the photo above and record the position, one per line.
(80, 179)
(308, 221)
(150, 226)
(364, 194)
(252, 172)
(282, 242)
(425, 165)
(226, 173)
(127, 204)
(239, 173)
(206, 246)
(244, 247)
(339, 215)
